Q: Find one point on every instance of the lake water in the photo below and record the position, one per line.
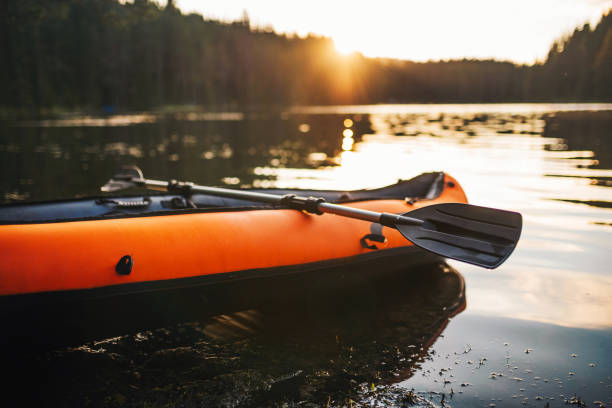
(535, 332)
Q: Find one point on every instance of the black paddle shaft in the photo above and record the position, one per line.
(477, 235)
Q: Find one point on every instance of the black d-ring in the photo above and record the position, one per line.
(124, 266)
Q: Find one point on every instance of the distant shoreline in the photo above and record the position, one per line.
(232, 113)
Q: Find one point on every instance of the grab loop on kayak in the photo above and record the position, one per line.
(374, 238)
(375, 235)
(308, 204)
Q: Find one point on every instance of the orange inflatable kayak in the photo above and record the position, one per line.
(134, 261)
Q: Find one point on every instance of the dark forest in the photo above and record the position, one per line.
(102, 55)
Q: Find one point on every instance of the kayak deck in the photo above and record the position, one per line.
(424, 186)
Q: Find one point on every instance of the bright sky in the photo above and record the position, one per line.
(517, 30)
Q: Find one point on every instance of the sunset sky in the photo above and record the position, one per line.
(517, 30)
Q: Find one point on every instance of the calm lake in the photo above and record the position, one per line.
(535, 332)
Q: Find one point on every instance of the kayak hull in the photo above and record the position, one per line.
(101, 276)
(56, 319)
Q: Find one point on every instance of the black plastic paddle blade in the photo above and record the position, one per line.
(477, 235)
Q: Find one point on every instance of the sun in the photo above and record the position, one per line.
(344, 45)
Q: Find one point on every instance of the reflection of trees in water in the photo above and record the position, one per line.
(65, 161)
(329, 344)
(590, 132)
(584, 131)
(457, 125)
(59, 161)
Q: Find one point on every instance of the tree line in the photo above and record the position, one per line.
(106, 55)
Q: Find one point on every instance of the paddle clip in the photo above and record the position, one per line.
(184, 188)
(308, 204)
(181, 187)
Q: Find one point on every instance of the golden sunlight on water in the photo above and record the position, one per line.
(560, 271)
(551, 162)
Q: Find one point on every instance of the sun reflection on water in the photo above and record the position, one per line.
(560, 271)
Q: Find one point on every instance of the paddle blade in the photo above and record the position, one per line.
(477, 235)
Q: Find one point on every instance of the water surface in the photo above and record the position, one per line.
(545, 313)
